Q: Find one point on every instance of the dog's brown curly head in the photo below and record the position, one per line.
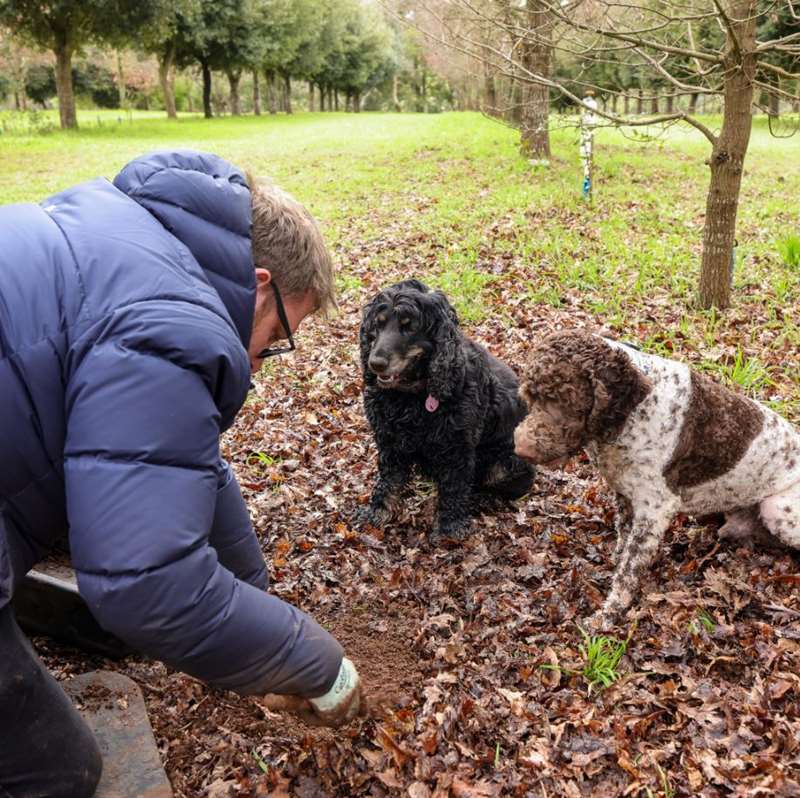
(578, 389)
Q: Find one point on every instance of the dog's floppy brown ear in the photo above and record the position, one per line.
(597, 416)
(618, 388)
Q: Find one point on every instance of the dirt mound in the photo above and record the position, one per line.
(384, 651)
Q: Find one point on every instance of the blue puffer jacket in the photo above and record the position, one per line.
(123, 313)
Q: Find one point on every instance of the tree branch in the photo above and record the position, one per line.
(777, 44)
(779, 70)
(729, 27)
(766, 87)
(520, 72)
(667, 75)
(633, 38)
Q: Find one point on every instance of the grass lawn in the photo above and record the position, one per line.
(470, 210)
(502, 695)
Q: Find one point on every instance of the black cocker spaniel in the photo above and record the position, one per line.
(439, 402)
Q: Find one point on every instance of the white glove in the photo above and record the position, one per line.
(338, 706)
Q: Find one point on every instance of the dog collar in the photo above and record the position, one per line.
(431, 403)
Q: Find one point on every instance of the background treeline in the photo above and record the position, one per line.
(258, 56)
(219, 56)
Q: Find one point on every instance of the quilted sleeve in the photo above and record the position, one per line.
(141, 468)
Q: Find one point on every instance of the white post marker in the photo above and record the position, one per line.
(589, 120)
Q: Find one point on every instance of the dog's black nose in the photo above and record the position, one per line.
(378, 364)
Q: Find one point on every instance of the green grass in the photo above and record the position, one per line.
(789, 249)
(702, 621)
(601, 656)
(447, 198)
(261, 460)
(750, 374)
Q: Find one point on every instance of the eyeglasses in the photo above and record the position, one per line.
(279, 350)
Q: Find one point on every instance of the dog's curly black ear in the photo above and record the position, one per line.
(448, 363)
(365, 333)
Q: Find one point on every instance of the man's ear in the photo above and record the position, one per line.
(263, 277)
(263, 295)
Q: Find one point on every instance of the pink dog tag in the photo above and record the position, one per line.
(431, 403)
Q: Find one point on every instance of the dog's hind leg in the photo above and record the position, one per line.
(745, 526)
(510, 477)
(781, 515)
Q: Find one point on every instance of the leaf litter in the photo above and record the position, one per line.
(451, 640)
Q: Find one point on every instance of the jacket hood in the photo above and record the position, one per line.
(204, 201)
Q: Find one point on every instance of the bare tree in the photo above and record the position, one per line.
(536, 52)
(726, 50)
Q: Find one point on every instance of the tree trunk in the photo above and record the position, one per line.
(774, 104)
(287, 86)
(120, 80)
(256, 94)
(311, 96)
(489, 90)
(206, 69)
(395, 94)
(654, 105)
(639, 103)
(670, 103)
(336, 99)
(272, 100)
(234, 76)
(727, 158)
(66, 97)
(321, 99)
(165, 59)
(614, 103)
(626, 103)
(693, 102)
(536, 54)
(357, 101)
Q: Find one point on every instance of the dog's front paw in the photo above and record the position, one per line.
(371, 516)
(450, 530)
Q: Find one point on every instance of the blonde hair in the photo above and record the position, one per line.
(287, 241)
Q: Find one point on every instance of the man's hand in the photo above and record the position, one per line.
(343, 702)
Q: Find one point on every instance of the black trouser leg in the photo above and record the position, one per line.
(46, 749)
